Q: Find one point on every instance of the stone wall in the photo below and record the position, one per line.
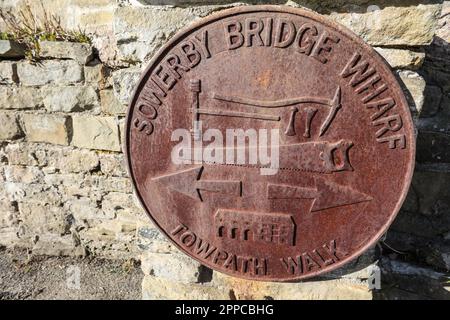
(65, 190)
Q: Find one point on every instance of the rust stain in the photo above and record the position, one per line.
(263, 80)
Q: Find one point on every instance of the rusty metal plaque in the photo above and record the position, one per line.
(269, 143)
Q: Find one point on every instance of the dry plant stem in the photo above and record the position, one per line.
(28, 28)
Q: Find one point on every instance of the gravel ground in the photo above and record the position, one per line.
(27, 277)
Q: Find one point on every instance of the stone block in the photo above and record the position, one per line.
(84, 208)
(114, 184)
(124, 82)
(113, 165)
(393, 26)
(71, 99)
(11, 49)
(115, 228)
(415, 89)
(62, 159)
(100, 133)
(9, 237)
(39, 218)
(428, 220)
(55, 72)
(444, 31)
(80, 52)
(32, 193)
(402, 59)
(21, 98)
(56, 245)
(72, 160)
(174, 267)
(110, 104)
(20, 174)
(8, 214)
(19, 154)
(150, 239)
(432, 147)
(140, 31)
(407, 281)
(154, 288)
(8, 72)
(46, 128)
(115, 203)
(95, 74)
(9, 128)
(335, 289)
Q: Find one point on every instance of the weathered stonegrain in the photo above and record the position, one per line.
(11, 49)
(402, 59)
(110, 104)
(52, 158)
(415, 88)
(9, 127)
(100, 133)
(154, 288)
(80, 52)
(124, 82)
(20, 98)
(8, 72)
(140, 31)
(55, 72)
(113, 165)
(174, 267)
(20, 174)
(71, 99)
(46, 128)
(43, 218)
(95, 74)
(393, 26)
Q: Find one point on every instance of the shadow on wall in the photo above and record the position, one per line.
(414, 256)
(420, 235)
(357, 6)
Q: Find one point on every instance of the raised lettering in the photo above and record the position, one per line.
(163, 79)
(358, 69)
(233, 35)
(368, 83)
(306, 38)
(203, 43)
(390, 123)
(174, 66)
(284, 33)
(293, 266)
(190, 54)
(253, 29)
(323, 46)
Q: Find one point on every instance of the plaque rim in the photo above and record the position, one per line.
(342, 30)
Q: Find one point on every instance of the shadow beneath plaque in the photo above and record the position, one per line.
(405, 281)
(418, 242)
(355, 269)
(413, 256)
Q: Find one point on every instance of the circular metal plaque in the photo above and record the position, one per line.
(269, 143)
